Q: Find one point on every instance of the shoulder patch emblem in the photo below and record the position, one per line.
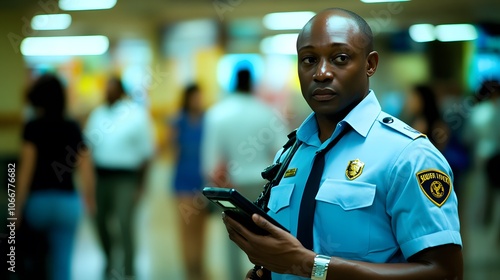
(354, 169)
(290, 172)
(435, 184)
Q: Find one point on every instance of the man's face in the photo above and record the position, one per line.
(333, 65)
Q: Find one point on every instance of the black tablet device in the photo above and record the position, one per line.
(239, 208)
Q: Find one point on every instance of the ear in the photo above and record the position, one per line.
(371, 63)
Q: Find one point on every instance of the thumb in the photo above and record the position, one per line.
(265, 224)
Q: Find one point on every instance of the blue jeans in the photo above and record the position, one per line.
(57, 215)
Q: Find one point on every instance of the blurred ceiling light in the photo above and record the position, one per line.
(287, 21)
(383, 1)
(443, 33)
(64, 45)
(422, 32)
(80, 5)
(279, 44)
(51, 22)
(455, 32)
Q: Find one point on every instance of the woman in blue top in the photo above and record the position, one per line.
(188, 182)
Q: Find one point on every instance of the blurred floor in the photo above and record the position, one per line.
(158, 255)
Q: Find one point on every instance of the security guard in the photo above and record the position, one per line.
(384, 205)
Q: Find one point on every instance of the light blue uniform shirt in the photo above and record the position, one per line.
(394, 201)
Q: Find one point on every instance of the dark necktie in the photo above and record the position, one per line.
(308, 202)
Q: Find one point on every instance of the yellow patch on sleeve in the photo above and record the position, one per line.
(435, 184)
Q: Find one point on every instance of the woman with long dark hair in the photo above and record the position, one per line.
(423, 114)
(48, 202)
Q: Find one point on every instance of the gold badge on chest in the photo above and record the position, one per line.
(354, 169)
(290, 172)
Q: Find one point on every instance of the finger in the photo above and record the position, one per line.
(236, 226)
(229, 222)
(234, 230)
(249, 275)
(266, 225)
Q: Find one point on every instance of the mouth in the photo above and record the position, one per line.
(323, 94)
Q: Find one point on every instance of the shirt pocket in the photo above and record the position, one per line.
(279, 203)
(347, 195)
(344, 217)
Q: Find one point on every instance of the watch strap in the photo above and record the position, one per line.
(320, 267)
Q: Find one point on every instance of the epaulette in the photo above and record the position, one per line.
(399, 126)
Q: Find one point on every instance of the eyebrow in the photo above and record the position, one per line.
(331, 45)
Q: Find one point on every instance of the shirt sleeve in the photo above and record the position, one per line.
(211, 146)
(421, 200)
(280, 131)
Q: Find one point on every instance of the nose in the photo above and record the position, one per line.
(323, 71)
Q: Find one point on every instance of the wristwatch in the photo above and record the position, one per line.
(320, 267)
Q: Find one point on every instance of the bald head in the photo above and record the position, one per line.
(335, 60)
(361, 31)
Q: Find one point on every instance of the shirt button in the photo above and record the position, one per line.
(388, 120)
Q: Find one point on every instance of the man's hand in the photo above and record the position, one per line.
(279, 251)
(249, 274)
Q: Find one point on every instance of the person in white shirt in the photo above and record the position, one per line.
(120, 136)
(483, 135)
(241, 136)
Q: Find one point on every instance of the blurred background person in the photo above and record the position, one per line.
(422, 112)
(49, 206)
(493, 175)
(120, 134)
(186, 131)
(483, 134)
(241, 137)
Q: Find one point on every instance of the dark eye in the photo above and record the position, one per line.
(308, 60)
(341, 59)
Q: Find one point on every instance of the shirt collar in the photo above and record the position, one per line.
(361, 119)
